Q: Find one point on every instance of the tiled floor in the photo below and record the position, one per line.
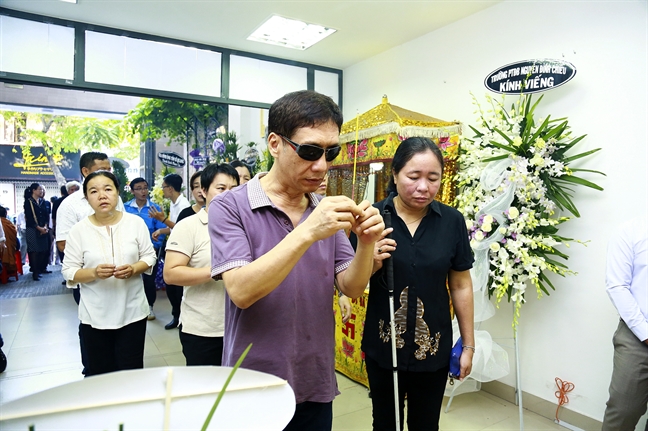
(42, 347)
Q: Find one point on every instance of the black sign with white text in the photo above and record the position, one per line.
(530, 76)
(169, 158)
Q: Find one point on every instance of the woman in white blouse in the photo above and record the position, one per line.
(188, 263)
(104, 254)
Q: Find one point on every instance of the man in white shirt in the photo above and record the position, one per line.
(627, 286)
(171, 188)
(76, 207)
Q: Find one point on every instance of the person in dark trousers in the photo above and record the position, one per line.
(429, 248)
(105, 254)
(140, 206)
(55, 206)
(172, 188)
(36, 219)
(280, 248)
(74, 209)
(69, 187)
(188, 263)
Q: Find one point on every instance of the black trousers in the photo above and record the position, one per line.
(312, 417)
(48, 253)
(174, 293)
(37, 261)
(111, 350)
(199, 350)
(149, 286)
(424, 397)
(76, 294)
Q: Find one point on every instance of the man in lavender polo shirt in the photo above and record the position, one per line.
(279, 250)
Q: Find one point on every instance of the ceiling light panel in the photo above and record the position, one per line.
(290, 33)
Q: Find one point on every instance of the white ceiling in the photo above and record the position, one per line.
(365, 27)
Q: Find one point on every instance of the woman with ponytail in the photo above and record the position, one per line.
(36, 220)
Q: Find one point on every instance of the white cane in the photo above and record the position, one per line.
(390, 288)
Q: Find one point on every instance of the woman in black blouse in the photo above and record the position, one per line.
(429, 245)
(37, 222)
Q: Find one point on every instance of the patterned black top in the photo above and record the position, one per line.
(421, 300)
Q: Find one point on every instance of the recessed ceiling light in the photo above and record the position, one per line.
(290, 33)
(69, 1)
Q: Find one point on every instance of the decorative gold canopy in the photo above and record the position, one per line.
(387, 118)
(374, 137)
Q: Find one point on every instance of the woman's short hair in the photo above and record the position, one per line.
(95, 174)
(211, 170)
(239, 164)
(193, 178)
(174, 180)
(3, 212)
(408, 149)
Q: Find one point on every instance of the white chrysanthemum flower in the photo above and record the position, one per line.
(513, 213)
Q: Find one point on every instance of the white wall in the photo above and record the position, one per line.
(567, 334)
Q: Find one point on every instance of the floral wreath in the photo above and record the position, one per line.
(514, 177)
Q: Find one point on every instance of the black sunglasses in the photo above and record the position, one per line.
(313, 152)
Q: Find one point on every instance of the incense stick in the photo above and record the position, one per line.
(112, 245)
(167, 400)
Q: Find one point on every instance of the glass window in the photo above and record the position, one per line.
(36, 48)
(263, 81)
(126, 61)
(327, 83)
(250, 125)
